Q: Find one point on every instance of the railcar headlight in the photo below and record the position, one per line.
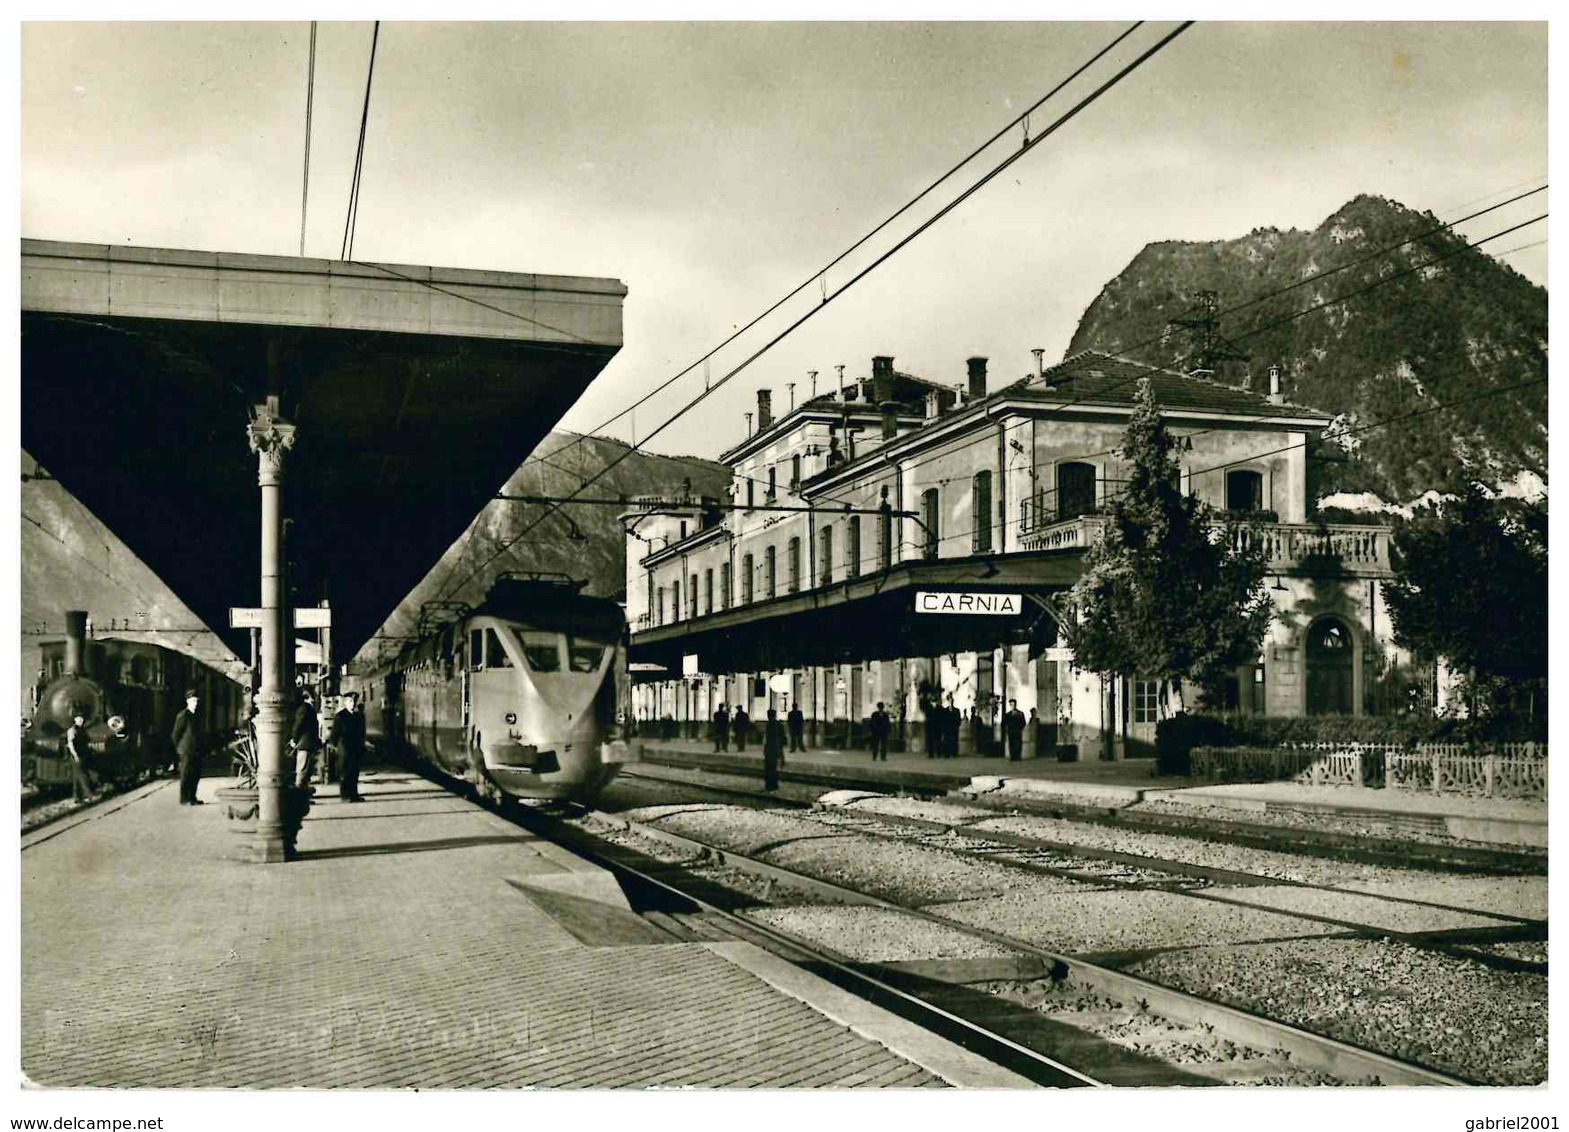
(512, 717)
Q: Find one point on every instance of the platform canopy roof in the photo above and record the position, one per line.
(416, 392)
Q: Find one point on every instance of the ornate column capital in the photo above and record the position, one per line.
(270, 437)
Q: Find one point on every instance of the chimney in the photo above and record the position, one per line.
(1275, 396)
(882, 379)
(882, 395)
(977, 377)
(1040, 361)
(765, 409)
(933, 405)
(76, 642)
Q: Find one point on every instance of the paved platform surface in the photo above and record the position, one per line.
(1128, 783)
(398, 951)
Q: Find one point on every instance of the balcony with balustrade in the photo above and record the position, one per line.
(1289, 548)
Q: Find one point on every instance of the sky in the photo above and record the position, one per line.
(714, 167)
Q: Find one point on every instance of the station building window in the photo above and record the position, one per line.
(747, 576)
(793, 564)
(827, 571)
(724, 585)
(981, 507)
(1075, 489)
(691, 596)
(795, 471)
(773, 483)
(1146, 701)
(770, 573)
(1244, 491)
(852, 547)
(751, 493)
(708, 591)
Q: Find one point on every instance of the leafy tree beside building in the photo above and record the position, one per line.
(1166, 596)
(1470, 586)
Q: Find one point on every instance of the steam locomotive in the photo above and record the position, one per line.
(138, 686)
(518, 697)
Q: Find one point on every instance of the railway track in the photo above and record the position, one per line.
(1056, 1018)
(1076, 861)
(1483, 935)
(1360, 847)
(1116, 1029)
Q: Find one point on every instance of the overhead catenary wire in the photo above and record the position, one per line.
(1125, 354)
(310, 99)
(996, 171)
(877, 475)
(352, 218)
(819, 276)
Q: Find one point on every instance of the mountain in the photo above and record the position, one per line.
(1434, 338)
(583, 540)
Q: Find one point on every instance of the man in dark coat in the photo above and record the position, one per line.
(78, 755)
(773, 750)
(188, 746)
(722, 728)
(348, 736)
(740, 721)
(797, 723)
(305, 740)
(878, 727)
(1013, 728)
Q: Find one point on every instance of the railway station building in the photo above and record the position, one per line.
(902, 541)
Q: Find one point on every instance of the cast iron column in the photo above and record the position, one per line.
(270, 438)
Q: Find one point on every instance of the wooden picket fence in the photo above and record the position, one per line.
(1505, 770)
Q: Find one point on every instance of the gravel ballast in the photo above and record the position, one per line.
(911, 874)
(733, 827)
(1509, 895)
(1369, 911)
(947, 812)
(1093, 921)
(1455, 1015)
(877, 935)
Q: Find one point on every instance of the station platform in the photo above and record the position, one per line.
(1130, 782)
(419, 941)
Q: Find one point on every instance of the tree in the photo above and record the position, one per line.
(1166, 596)
(1470, 586)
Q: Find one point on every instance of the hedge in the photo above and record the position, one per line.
(1176, 737)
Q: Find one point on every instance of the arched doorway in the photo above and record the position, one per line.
(1330, 668)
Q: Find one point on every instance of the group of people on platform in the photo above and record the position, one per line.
(344, 742)
(943, 723)
(342, 736)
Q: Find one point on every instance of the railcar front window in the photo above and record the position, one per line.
(586, 657)
(542, 651)
(495, 655)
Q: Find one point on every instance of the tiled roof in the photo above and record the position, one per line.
(1094, 378)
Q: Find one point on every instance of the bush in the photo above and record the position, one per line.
(1176, 737)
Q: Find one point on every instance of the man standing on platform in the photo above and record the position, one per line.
(304, 740)
(188, 745)
(76, 753)
(741, 721)
(722, 728)
(773, 750)
(878, 726)
(797, 723)
(348, 735)
(1013, 728)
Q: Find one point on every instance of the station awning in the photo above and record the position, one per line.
(875, 617)
(416, 392)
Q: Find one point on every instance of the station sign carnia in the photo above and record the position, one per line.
(995, 604)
